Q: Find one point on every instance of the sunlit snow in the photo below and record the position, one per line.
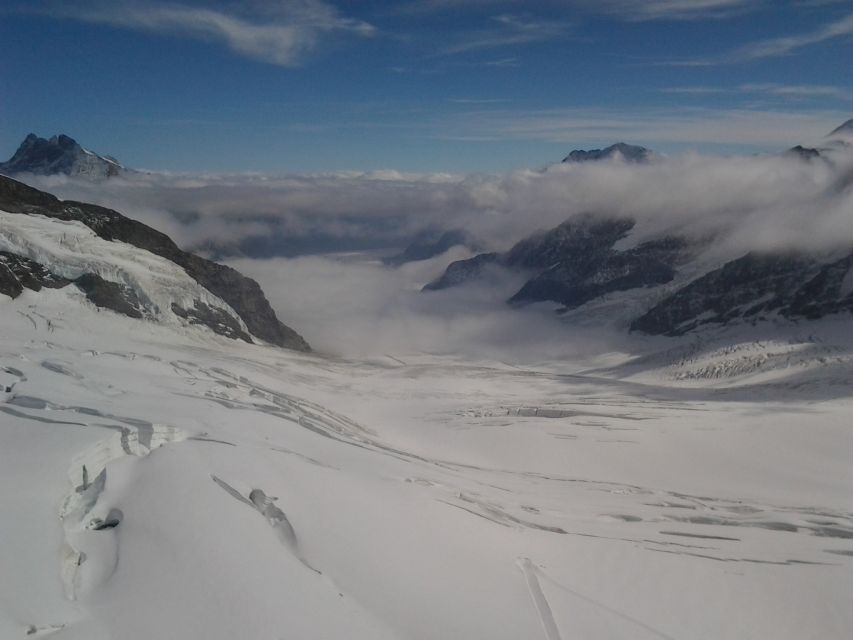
(163, 482)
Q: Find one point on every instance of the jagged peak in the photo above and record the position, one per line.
(59, 154)
(628, 152)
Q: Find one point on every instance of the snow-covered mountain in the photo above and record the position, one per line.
(126, 266)
(60, 154)
(665, 282)
(578, 262)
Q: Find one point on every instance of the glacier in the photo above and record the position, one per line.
(162, 481)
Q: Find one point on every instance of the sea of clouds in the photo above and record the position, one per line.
(314, 242)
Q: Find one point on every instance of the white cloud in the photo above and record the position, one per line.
(507, 30)
(800, 91)
(625, 9)
(685, 127)
(673, 9)
(357, 308)
(278, 33)
(785, 91)
(774, 47)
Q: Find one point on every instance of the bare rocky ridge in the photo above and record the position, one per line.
(243, 294)
(627, 152)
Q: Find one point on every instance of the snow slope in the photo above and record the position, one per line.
(71, 249)
(163, 482)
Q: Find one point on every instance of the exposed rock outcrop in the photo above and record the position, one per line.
(110, 295)
(18, 273)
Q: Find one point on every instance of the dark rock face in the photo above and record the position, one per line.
(9, 283)
(216, 319)
(575, 241)
(463, 271)
(574, 282)
(826, 292)
(431, 243)
(844, 129)
(18, 273)
(804, 153)
(110, 295)
(575, 263)
(59, 154)
(243, 294)
(629, 152)
(793, 285)
(578, 240)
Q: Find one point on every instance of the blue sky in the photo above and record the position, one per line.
(420, 85)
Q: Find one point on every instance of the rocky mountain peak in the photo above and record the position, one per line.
(59, 154)
(628, 152)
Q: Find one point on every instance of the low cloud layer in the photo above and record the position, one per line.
(781, 194)
(358, 308)
(351, 303)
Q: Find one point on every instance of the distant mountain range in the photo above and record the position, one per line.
(583, 260)
(579, 261)
(60, 155)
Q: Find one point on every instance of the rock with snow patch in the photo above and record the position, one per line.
(242, 294)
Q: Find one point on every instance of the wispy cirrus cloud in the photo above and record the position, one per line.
(280, 33)
(773, 89)
(672, 9)
(774, 47)
(632, 10)
(433, 6)
(690, 127)
(799, 91)
(506, 30)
